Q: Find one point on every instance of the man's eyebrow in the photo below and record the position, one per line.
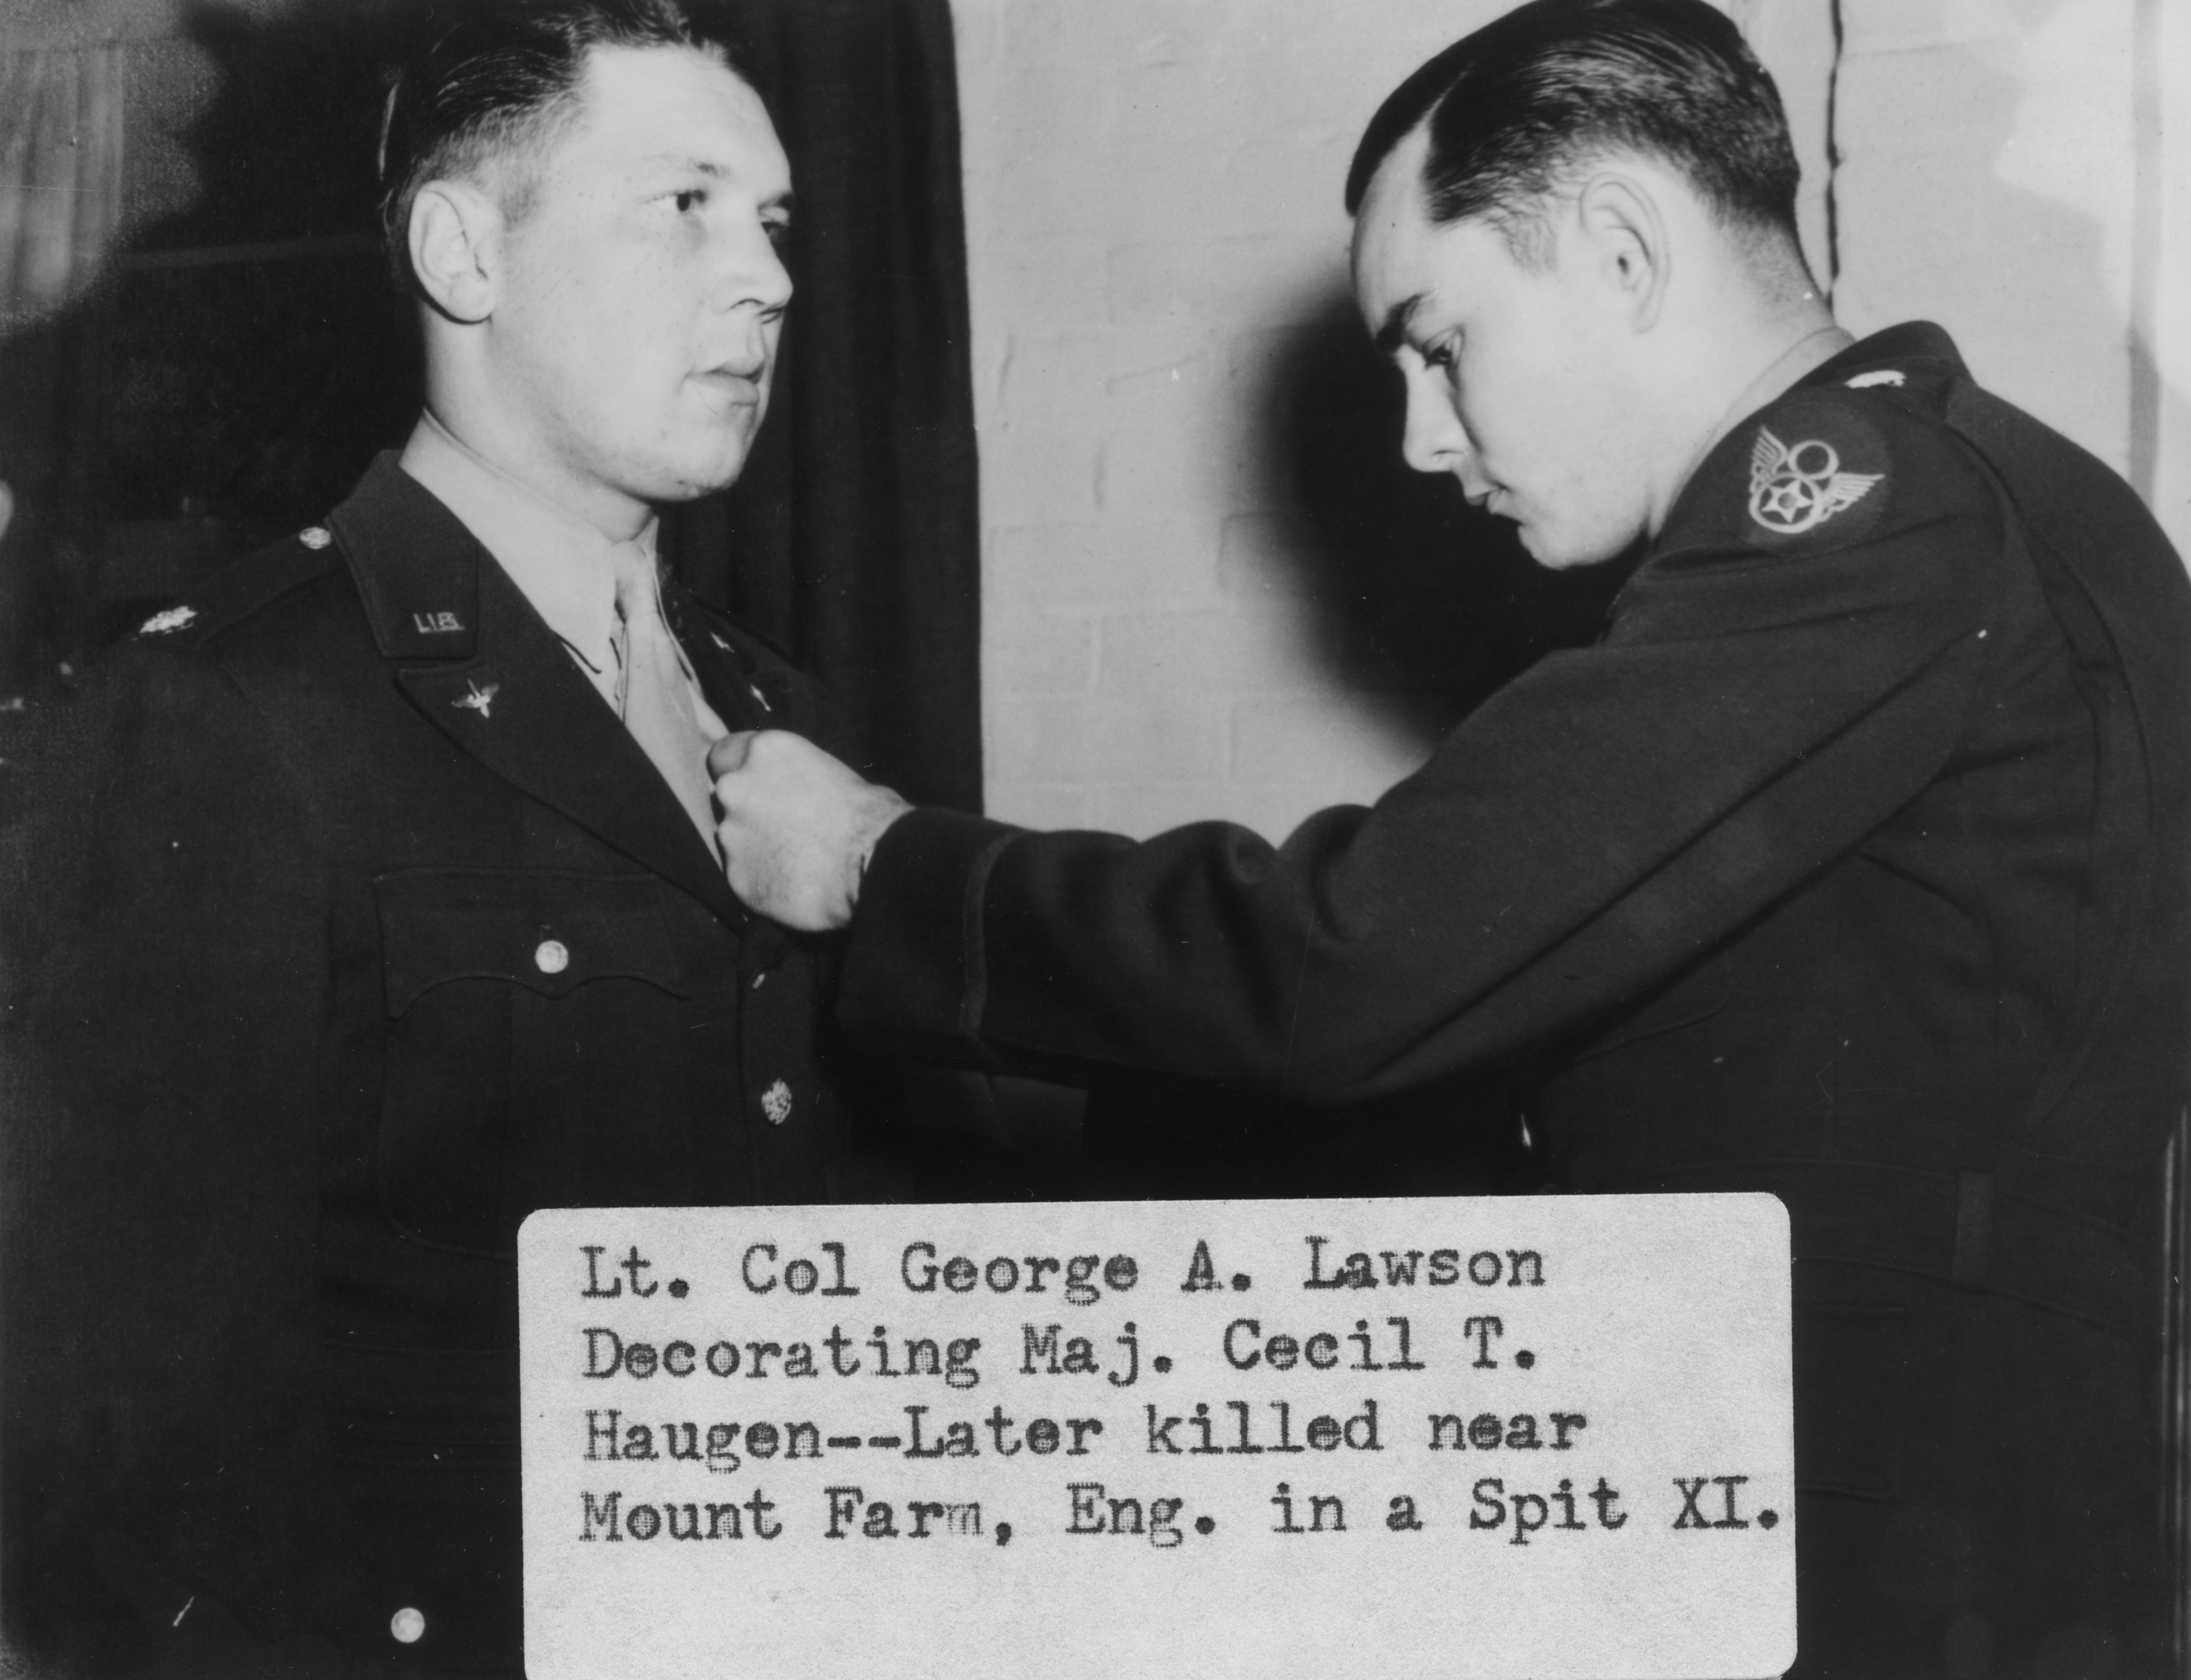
(1394, 332)
(712, 170)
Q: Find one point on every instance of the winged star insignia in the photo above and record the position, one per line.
(1792, 491)
(479, 699)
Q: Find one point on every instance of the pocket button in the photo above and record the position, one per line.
(551, 956)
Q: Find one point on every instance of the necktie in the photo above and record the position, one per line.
(657, 693)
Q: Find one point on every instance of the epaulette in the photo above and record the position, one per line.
(242, 588)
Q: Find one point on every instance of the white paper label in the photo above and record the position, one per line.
(1545, 1436)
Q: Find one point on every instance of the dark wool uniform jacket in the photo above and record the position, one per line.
(1850, 864)
(375, 931)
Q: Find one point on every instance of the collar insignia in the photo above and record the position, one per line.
(315, 536)
(1879, 376)
(1793, 491)
(173, 619)
(479, 699)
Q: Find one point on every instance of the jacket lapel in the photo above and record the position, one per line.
(725, 678)
(516, 704)
(731, 689)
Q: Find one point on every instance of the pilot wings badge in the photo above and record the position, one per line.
(1792, 491)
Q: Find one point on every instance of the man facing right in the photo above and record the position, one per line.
(1850, 864)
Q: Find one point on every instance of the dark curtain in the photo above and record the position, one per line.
(852, 541)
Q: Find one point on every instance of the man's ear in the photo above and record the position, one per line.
(1625, 230)
(456, 249)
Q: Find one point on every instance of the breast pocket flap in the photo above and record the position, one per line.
(548, 932)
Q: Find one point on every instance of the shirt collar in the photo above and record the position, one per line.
(1807, 354)
(563, 565)
(1810, 352)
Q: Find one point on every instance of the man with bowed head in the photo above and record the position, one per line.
(1849, 864)
(394, 909)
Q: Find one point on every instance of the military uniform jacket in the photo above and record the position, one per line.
(1849, 864)
(376, 932)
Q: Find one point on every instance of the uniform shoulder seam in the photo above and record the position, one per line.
(240, 589)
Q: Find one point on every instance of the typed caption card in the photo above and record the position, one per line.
(1547, 1437)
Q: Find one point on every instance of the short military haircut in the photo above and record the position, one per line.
(497, 86)
(1514, 110)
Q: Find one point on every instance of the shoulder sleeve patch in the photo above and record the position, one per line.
(1794, 488)
(1824, 471)
(1814, 470)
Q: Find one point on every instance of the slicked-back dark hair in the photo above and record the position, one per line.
(500, 81)
(1514, 108)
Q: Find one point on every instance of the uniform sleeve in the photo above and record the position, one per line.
(1771, 691)
(160, 1377)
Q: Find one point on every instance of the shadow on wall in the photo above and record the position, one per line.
(2021, 210)
(1424, 607)
(1428, 605)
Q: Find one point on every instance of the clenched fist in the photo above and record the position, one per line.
(797, 827)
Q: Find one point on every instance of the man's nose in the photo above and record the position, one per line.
(752, 272)
(1435, 440)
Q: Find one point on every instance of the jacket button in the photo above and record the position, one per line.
(775, 1103)
(551, 956)
(407, 1625)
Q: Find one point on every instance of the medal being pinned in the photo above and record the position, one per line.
(1793, 491)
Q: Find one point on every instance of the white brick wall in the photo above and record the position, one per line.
(1152, 192)
(1153, 210)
